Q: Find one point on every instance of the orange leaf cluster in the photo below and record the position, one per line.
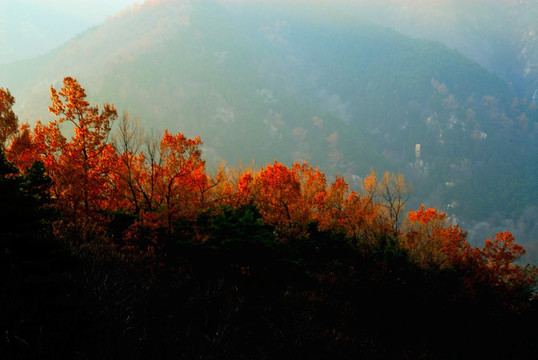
(433, 242)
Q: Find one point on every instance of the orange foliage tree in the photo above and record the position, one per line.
(277, 193)
(291, 199)
(432, 241)
(81, 166)
(9, 122)
(313, 188)
(288, 198)
(23, 150)
(183, 180)
(350, 213)
(165, 177)
(368, 217)
(500, 256)
(332, 216)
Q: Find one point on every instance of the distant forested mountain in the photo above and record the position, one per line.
(502, 36)
(259, 82)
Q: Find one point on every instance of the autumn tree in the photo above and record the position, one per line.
(390, 193)
(232, 186)
(363, 217)
(394, 194)
(128, 142)
(83, 165)
(22, 149)
(432, 241)
(363, 223)
(289, 199)
(183, 179)
(500, 255)
(332, 216)
(9, 122)
(313, 188)
(278, 196)
(165, 177)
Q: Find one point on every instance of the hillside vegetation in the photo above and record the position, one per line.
(119, 244)
(308, 84)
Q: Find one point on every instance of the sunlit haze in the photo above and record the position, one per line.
(91, 10)
(38, 26)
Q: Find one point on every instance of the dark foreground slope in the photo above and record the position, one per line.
(320, 302)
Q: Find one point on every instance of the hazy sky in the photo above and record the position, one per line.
(32, 27)
(93, 10)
